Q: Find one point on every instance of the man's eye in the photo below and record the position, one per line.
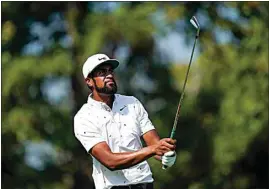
(101, 72)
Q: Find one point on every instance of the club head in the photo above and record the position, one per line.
(195, 23)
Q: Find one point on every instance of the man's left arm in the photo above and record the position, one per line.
(169, 158)
(151, 137)
(148, 131)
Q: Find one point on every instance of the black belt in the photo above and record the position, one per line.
(135, 186)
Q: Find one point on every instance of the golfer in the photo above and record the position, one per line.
(111, 127)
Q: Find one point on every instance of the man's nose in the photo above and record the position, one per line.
(109, 76)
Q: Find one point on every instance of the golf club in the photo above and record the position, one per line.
(195, 23)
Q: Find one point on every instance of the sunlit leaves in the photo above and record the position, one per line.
(117, 27)
(19, 121)
(8, 31)
(241, 76)
(22, 71)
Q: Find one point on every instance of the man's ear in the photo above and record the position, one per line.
(89, 81)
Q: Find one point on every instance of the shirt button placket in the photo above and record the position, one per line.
(119, 128)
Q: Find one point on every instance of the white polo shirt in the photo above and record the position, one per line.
(121, 128)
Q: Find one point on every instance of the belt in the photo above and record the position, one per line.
(135, 186)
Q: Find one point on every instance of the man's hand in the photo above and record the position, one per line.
(169, 158)
(164, 145)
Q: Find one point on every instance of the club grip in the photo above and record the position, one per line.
(172, 135)
(169, 154)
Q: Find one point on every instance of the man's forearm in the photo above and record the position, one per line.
(125, 160)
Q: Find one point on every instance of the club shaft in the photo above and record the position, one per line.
(173, 132)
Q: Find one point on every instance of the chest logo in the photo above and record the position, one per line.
(123, 107)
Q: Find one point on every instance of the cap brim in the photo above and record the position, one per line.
(113, 62)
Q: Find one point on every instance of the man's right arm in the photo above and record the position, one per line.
(123, 160)
(90, 137)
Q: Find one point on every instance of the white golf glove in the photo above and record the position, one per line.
(169, 158)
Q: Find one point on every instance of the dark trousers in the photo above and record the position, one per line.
(135, 186)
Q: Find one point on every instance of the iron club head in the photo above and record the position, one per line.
(195, 23)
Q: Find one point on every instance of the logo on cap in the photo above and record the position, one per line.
(104, 58)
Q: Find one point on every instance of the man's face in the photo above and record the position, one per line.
(102, 80)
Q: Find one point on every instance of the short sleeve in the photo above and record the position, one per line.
(145, 123)
(87, 133)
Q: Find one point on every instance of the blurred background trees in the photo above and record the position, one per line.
(223, 129)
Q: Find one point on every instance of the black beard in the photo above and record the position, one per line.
(106, 90)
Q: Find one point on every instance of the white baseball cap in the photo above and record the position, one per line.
(95, 60)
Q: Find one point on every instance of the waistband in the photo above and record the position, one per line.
(135, 186)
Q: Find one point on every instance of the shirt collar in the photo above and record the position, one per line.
(101, 105)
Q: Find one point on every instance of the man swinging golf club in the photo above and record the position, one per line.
(110, 127)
